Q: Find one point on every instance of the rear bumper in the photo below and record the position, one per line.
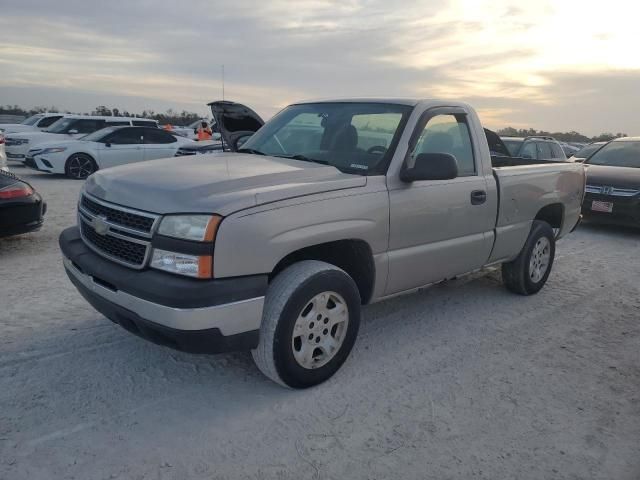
(626, 210)
(197, 316)
(22, 215)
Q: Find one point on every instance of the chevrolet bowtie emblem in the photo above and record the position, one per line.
(100, 225)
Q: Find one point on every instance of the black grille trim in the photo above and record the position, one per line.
(127, 252)
(116, 216)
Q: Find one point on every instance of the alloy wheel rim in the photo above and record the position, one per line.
(540, 258)
(320, 330)
(80, 167)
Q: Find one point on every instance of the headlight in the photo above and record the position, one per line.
(182, 264)
(199, 228)
(52, 150)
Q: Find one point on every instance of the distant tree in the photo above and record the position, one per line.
(116, 112)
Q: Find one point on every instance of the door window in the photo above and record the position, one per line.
(529, 150)
(47, 121)
(557, 151)
(448, 134)
(544, 151)
(155, 136)
(126, 136)
(87, 126)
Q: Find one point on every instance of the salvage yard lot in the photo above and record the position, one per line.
(463, 380)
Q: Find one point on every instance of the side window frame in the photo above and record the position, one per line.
(461, 117)
(115, 134)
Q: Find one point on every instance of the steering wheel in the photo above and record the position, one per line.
(377, 148)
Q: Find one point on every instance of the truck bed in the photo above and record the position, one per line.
(500, 161)
(523, 188)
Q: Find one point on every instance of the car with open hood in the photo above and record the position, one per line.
(328, 206)
(235, 124)
(613, 183)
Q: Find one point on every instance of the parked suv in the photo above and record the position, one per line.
(535, 148)
(67, 128)
(35, 123)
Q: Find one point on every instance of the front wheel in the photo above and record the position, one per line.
(79, 166)
(309, 324)
(528, 273)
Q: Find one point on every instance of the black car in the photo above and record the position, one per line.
(613, 183)
(21, 208)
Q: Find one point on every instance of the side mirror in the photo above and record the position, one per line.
(431, 166)
(73, 131)
(107, 144)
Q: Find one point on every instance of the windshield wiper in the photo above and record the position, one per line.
(304, 158)
(252, 151)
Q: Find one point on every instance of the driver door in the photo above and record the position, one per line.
(440, 228)
(121, 147)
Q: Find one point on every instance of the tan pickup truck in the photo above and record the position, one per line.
(328, 206)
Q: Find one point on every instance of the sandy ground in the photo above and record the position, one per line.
(461, 381)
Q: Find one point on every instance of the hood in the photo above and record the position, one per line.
(222, 183)
(621, 177)
(40, 137)
(16, 127)
(234, 120)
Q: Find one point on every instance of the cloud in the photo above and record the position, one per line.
(527, 59)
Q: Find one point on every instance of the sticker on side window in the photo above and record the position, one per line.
(358, 166)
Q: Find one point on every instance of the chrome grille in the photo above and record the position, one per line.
(613, 191)
(138, 221)
(12, 142)
(117, 233)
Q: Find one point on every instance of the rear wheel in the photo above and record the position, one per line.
(309, 324)
(79, 166)
(528, 273)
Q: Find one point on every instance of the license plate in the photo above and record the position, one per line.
(606, 207)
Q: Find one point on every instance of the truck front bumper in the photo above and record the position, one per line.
(197, 316)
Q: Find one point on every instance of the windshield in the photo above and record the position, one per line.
(98, 134)
(587, 151)
(617, 154)
(353, 137)
(32, 120)
(513, 146)
(62, 125)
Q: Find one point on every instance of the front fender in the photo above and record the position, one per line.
(254, 242)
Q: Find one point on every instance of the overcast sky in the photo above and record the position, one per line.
(553, 65)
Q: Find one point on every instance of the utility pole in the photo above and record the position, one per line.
(222, 81)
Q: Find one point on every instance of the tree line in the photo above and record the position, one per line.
(170, 116)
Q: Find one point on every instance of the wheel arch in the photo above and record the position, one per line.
(553, 214)
(354, 256)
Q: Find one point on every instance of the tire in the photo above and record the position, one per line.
(528, 273)
(294, 303)
(79, 166)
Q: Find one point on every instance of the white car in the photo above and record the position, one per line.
(105, 148)
(66, 128)
(35, 123)
(3, 155)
